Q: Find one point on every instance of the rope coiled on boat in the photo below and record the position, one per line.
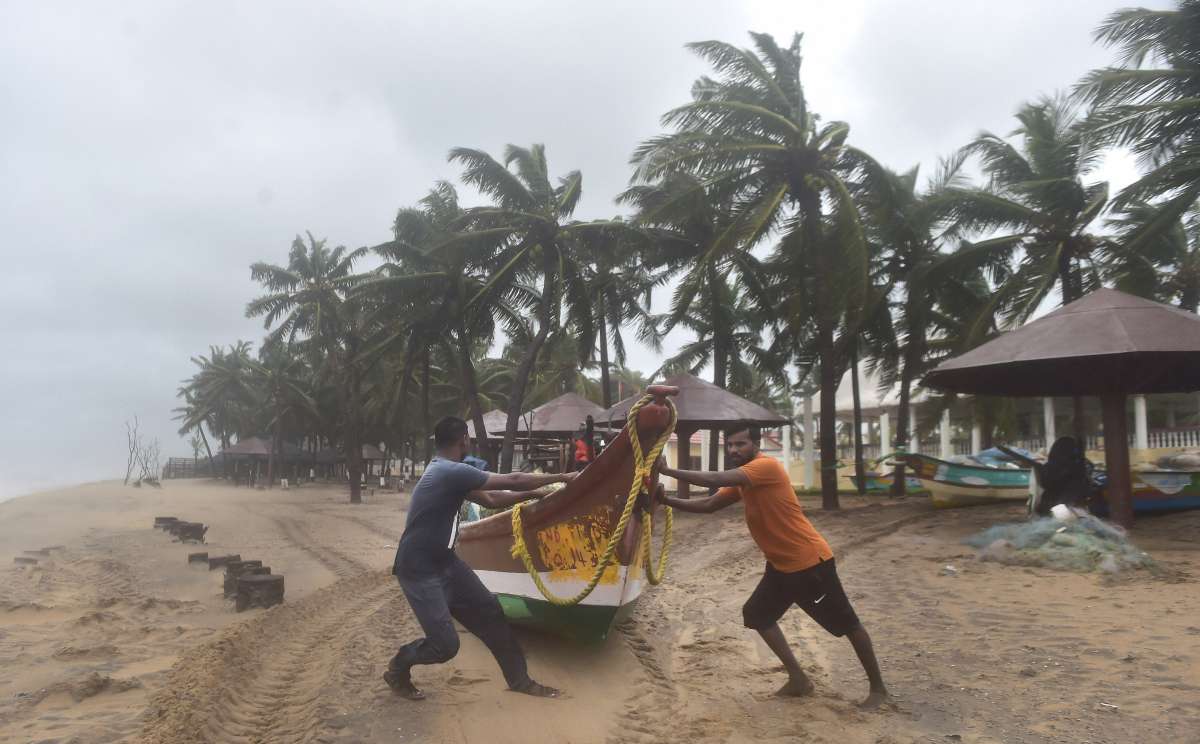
(643, 466)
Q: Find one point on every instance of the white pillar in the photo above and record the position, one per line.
(786, 434)
(810, 441)
(705, 438)
(914, 443)
(945, 451)
(720, 451)
(976, 437)
(1048, 421)
(885, 434)
(1141, 433)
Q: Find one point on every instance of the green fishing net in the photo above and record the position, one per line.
(1081, 543)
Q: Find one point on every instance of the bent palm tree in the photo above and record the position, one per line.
(1156, 111)
(528, 218)
(749, 138)
(312, 298)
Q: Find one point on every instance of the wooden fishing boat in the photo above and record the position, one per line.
(953, 485)
(566, 534)
(1161, 491)
(881, 478)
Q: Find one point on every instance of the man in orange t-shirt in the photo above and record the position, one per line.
(800, 567)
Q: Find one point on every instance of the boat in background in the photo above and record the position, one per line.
(1159, 492)
(953, 485)
(880, 477)
(566, 533)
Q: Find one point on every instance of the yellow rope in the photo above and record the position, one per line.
(643, 465)
(655, 575)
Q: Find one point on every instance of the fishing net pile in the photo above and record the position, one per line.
(1080, 543)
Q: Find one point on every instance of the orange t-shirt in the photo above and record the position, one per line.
(776, 521)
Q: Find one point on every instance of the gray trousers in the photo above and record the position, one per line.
(456, 592)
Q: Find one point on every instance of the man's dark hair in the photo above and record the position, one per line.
(448, 431)
(751, 429)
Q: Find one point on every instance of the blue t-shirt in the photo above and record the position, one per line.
(432, 525)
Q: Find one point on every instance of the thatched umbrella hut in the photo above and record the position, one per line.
(495, 423)
(701, 405)
(257, 450)
(562, 417)
(1108, 344)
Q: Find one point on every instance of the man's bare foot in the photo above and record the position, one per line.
(796, 687)
(536, 690)
(875, 699)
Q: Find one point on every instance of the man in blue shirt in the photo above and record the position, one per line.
(437, 583)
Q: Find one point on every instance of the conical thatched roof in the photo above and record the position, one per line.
(1105, 342)
(703, 405)
(563, 416)
(261, 447)
(495, 422)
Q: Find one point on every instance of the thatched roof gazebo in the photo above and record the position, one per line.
(495, 423)
(700, 405)
(254, 447)
(1108, 344)
(562, 417)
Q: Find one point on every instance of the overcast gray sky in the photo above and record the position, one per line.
(151, 151)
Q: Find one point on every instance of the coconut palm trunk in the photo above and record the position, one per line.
(605, 391)
(212, 468)
(426, 426)
(860, 470)
(353, 436)
(904, 417)
(721, 334)
(524, 370)
(272, 454)
(470, 388)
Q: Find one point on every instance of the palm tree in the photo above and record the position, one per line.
(280, 383)
(618, 281)
(689, 232)
(737, 353)
(436, 274)
(1166, 267)
(750, 139)
(529, 216)
(1155, 110)
(1036, 198)
(312, 298)
(192, 416)
(906, 221)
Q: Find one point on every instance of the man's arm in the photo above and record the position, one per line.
(501, 499)
(707, 479)
(708, 505)
(523, 481)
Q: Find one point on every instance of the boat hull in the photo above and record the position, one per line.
(566, 534)
(876, 482)
(952, 485)
(587, 622)
(1160, 492)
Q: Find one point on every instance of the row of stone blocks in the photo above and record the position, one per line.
(31, 557)
(185, 531)
(248, 583)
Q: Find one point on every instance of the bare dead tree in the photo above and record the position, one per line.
(148, 461)
(132, 439)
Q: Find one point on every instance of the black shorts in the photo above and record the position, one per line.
(816, 590)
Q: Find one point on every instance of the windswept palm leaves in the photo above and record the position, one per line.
(749, 139)
(1150, 102)
(788, 254)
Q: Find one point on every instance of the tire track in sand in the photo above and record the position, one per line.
(331, 558)
(276, 677)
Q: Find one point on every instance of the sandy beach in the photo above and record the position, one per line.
(113, 637)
